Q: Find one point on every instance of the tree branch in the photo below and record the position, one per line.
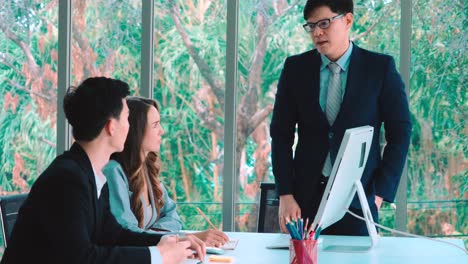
(197, 150)
(363, 34)
(25, 48)
(48, 142)
(249, 102)
(206, 72)
(208, 120)
(88, 67)
(6, 62)
(21, 88)
(282, 12)
(184, 174)
(258, 117)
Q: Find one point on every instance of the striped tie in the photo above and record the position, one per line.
(332, 106)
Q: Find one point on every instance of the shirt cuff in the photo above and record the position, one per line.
(155, 255)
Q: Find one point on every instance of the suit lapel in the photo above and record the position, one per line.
(313, 83)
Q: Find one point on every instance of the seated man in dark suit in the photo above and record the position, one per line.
(66, 217)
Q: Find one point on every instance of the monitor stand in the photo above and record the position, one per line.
(374, 237)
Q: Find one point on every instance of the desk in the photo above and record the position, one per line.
(251, 249)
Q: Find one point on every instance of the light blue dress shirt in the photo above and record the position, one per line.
(325, 73)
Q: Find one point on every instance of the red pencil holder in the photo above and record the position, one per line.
(303, 251)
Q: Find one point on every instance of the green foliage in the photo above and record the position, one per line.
(386, 217)
(23, 130)
(438, 103)
(25, 135)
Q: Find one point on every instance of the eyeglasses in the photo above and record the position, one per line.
(322, 24)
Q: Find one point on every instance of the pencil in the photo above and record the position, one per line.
(306, 234)
(311, 229)
(206, 218)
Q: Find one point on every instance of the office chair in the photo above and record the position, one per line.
(268, 213)
(9, 207)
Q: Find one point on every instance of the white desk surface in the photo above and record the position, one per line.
(251, 249)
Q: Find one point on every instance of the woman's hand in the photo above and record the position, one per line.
(212, 237)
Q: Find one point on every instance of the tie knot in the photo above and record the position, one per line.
(335, 68)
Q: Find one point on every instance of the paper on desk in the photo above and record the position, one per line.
(280, 242)
(231, 244)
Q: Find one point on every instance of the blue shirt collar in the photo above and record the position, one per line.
(343, 61)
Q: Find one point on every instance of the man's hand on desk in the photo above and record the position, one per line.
(174, 250)
(288, 208)
(212, 237)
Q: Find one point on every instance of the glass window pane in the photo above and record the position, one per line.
(377, 26)
(269, 31)
(189, 75)
(28, 92)
(437, 183)
(106, 40)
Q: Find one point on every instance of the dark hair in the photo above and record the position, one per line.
(90, 105)
(336, 6)
(130, 158)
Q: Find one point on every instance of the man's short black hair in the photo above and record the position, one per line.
(336, 6)
(90, 105)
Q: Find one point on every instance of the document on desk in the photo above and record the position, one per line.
(280, 242)
(231, 244)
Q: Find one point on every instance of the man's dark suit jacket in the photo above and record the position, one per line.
(374, 95)
(63, 221)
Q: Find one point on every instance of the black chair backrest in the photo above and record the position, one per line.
(9, 207)
(268, 213)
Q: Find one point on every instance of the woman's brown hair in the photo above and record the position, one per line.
(130, 158)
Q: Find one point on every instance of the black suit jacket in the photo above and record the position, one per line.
(374, 95)
(63, 221)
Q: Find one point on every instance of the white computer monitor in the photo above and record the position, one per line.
(344, 182)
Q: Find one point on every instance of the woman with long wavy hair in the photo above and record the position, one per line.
(138, 199)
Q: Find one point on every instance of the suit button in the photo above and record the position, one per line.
(330, 135)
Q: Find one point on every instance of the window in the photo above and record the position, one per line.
(28, 92)
(269, 32)
(189, 76)
(437, 181)
(106, 40)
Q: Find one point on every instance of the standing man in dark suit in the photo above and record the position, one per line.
(323, 92)
(66, 217)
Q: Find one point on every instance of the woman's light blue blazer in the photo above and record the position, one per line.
(119, 198)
